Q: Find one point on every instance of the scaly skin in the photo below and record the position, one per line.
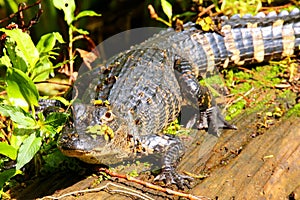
(147, 86)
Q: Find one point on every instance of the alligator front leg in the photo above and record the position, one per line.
(199, 96)
(172, 149)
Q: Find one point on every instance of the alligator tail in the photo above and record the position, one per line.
(249, 39)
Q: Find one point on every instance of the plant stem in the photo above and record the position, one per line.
(71, 53)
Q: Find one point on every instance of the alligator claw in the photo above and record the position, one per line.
(172, 177)
(213, 120)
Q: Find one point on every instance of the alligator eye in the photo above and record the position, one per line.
(108, 116)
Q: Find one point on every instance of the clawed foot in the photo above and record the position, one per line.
(170, 176)
(213, 120)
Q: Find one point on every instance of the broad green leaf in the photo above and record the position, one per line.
(17, 115)
(53, 123)
(6, 175)
(87, 13)
(48, 131)
(24, 44)
(47, 42)
(4, 60)
(15, 96)
(18, 137)
(28, 149)
(16, 56)
(20, 89)
(59, 37)
(42, 70)
(56, 119)
(8, 150)
(68, 7)
(167, 8)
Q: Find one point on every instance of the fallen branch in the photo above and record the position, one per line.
(121, 189)
(152, 186)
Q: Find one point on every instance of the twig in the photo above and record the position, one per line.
(240, 98)
(121, 189)
(19, 11)
(152, 186)
(276, 7)
(53, 82)
(208, 9)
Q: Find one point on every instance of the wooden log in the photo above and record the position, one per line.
(239, 165)
(268, 167)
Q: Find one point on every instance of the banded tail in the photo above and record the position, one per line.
(250, 39)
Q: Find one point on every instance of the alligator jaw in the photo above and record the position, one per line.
(91, 157)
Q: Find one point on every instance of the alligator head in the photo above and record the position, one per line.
(93, 137)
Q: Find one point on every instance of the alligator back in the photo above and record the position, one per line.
(147, 90)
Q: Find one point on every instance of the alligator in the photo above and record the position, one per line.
(139, 92)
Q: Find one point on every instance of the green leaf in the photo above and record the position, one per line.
(53, 124)
(42, 70)
(68, 7)
(48, 131)
(48, 41)
(13, 5)
(87, 13)
(8, 150)
(6, 175)
(16, 56)
(17, 115)
(62, 100)
(24, 44)
(45, 46)
(185, 14)
(56, 119)
(167, 8)
(20, 89)
(80, 31)
(28, 149)
(4, 60)
(18, 137)
(59, 37)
